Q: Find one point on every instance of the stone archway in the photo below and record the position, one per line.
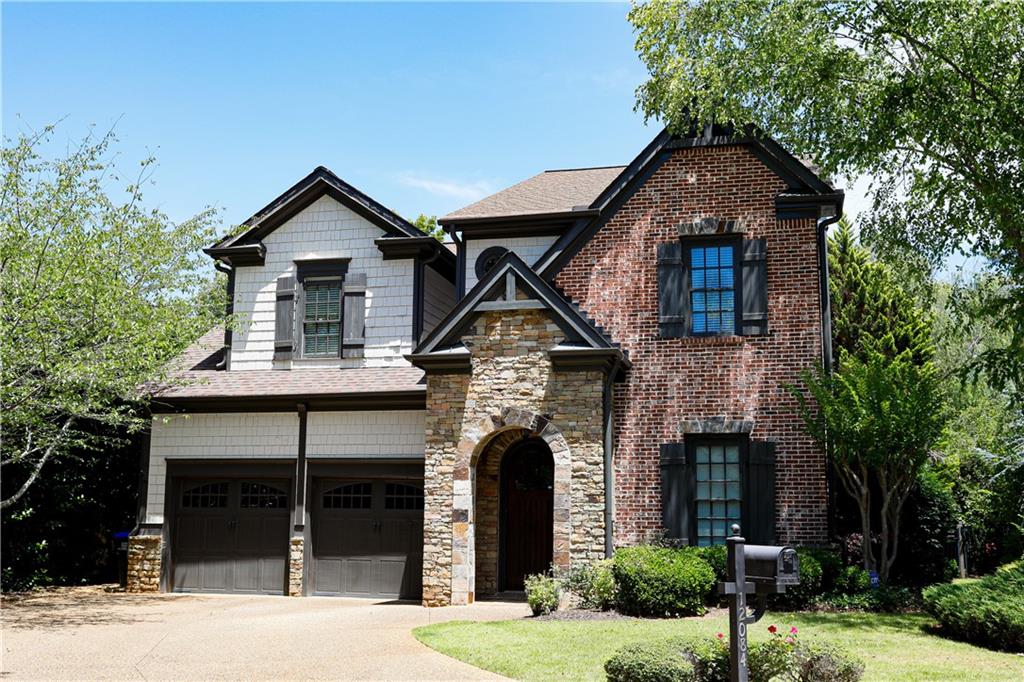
(469, 487)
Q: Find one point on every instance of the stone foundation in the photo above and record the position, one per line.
(144, 563)
(511, 387)
(296, 557)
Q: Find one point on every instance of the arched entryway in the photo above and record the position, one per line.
(527, 512)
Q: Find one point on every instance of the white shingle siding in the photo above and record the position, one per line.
(530, 249)
(247, 437)
(366, 434)
(215, 436)
(325, 229)
(438, 298)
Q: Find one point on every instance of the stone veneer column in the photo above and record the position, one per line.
(296, 555)
(144, 563)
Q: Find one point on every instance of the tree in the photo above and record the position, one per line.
(99, 295)
(923, 97)
(869, 305)
(881, 415)
(427, 224)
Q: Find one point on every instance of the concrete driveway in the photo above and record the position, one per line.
(87, 633)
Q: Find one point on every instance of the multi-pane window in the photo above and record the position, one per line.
(713, 289)
(321, 320)
(719, 491)
(263, 496)
(401, 497)
(349, 496)
(206, 496)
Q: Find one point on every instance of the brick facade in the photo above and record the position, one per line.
(676, 381)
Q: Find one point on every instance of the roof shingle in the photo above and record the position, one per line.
(553, 191)
(199, 379)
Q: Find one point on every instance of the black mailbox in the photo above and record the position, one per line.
(772, 565)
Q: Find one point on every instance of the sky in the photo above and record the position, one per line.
(425, 107)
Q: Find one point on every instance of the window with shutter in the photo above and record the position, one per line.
(712, 288)
(712, 482)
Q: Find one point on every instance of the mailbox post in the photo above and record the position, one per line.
(752, 569)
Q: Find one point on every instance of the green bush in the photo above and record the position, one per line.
(659, 581)
(805, 594)
(542, 594)
(704, 659)
(883, 599)
(717, 557)
(817, 662)
(989, 611)
(832, 566)
(852, 580)
(593, 584)
(650, 662)
(926, 546)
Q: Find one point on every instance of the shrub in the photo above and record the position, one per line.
(717, 557)
(705, 659)
(926, 538)
(650, 662)
(659, 581)
(989, 611)
(542, 594)
(824, 663)
(592, 583)
(832, 566)
(883, 599)
(807, 592)
(852, 580)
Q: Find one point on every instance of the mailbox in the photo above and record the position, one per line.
(772, 565)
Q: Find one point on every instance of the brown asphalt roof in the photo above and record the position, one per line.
(553, 191)
(201, 379)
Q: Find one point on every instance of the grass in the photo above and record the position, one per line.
(893, 646)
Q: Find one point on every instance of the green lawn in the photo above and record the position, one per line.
(893, 647)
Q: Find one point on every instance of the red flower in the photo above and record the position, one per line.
(772, 629)
(720, 635)
(792, 630)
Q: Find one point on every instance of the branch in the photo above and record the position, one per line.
(4, 504)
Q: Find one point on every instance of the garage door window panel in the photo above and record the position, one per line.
(263, 496)
(401, 497)
(206, 496)
(349, 496)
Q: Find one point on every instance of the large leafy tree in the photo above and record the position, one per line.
(99, 294)
(926, 98)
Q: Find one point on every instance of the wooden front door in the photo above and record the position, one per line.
(527, 488)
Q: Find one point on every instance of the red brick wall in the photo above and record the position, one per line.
(614, 279)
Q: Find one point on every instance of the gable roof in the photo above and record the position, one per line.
(549, 193)
(586, 344)
(801, 180)
(246, 248)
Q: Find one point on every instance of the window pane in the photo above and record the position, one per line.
(725, 278)
(703, 472)
(717, 490)
(732, 453)
(704, 509)
(734, 511)
(725, 255)
(713, 323)
(697, 258)
(718, 472)
(717, 453)
(711, 258)
(700, 323)
(703, 491)
(697, 279)
(733, 491)
(728, 301)
(702, 454)
(699, 302)
(732, 472)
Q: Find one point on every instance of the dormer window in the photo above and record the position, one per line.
(321, 321)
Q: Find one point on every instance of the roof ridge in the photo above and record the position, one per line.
(583, 168)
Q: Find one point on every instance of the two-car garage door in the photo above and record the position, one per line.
(232, 535)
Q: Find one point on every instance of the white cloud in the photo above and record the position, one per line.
(443, 187)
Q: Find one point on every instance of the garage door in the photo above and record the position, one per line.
(230, 536)
(368, 538)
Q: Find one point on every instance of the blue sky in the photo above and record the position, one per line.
(425, 107)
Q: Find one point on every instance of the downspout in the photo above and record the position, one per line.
(229, 309)
(609, 478)
(826, 349)
(460, 264)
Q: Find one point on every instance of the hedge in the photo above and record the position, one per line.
(988, 611)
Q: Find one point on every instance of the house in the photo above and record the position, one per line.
(603, 359)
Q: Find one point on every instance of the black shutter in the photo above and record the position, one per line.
(284, 318)
(354, 322)
(678, 487)
(759, 493)
(754, 296)
(673, 297)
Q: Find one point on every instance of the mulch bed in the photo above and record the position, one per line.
(583, 614)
